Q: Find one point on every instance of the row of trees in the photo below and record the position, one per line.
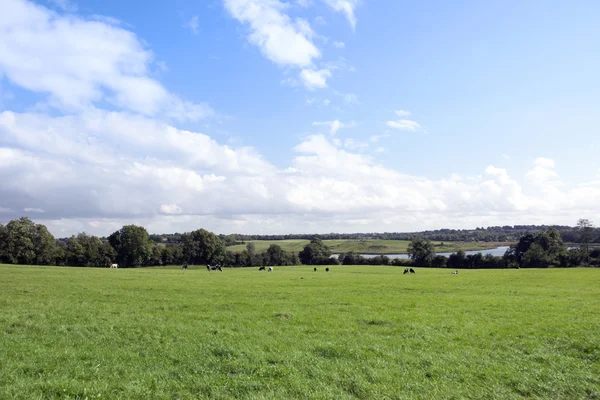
(542, 250)
(25, 242)
(506, 233)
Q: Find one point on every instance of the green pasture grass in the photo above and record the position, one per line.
(371, 246)
(355, 332)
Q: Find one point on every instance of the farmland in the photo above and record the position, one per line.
(364, 246)
(355, 332)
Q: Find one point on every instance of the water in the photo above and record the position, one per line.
(497, 252)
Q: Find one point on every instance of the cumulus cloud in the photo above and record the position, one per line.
(79, 62)
(339, 45)
(173, 180)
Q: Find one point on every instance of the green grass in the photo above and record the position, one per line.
(364, 246)
(355, 332)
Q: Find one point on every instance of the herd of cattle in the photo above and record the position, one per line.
(218, 268)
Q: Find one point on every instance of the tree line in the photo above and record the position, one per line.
(24, 242)
(506, 233)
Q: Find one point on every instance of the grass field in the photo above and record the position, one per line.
(364, 246)
(355, 332)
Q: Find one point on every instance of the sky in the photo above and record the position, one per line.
(298, 116)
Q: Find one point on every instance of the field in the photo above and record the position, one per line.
(355, 332)
(365, 246)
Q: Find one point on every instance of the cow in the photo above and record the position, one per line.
(114, 266)
(315, 269)
(270, 269)
(261, 269)
(405, 271)
(412, 271)
(326, 269)
(185, 266)
(207, 267)
(455, 272)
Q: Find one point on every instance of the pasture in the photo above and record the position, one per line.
(354, 332)
(363, 246)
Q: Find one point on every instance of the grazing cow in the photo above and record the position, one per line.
(261, 269)
(114, 266)
(315, 270)
(270, 269)
(405, 271)
(455, 272)
(219, 268)
(326, 269)
(412, 271)
(185, 266)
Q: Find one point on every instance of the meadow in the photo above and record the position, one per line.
(354, 332)
(364, 246)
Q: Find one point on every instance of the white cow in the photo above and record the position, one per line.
(114, 265)
(270, 269)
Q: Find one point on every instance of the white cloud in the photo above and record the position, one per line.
(280, 39)
(402, 113)
(326, 102)
(193, 25)
(170, 209)
(79, 62)
(5, 210)
(339, 45)
(102, 170)
(313, 79)
(336, 125)
(346, 7)
(543, 173)
(33, 210)
(404, 125)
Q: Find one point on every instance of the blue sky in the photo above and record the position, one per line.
(274, 116)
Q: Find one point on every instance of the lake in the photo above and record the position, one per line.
(498, 252)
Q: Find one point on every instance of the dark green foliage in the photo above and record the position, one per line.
(132, 246)
(316, 252)
(422, 252)
(24, 242)
(439, 262)
(202, 247)
(538, 251)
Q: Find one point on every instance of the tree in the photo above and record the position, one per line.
(132, 245)
(75, 252)
(585, 230)
(275, 255)
(457, 260)
(202, 247)
(25, 242)
(316, 252)
(422, 252)
(44, 245)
